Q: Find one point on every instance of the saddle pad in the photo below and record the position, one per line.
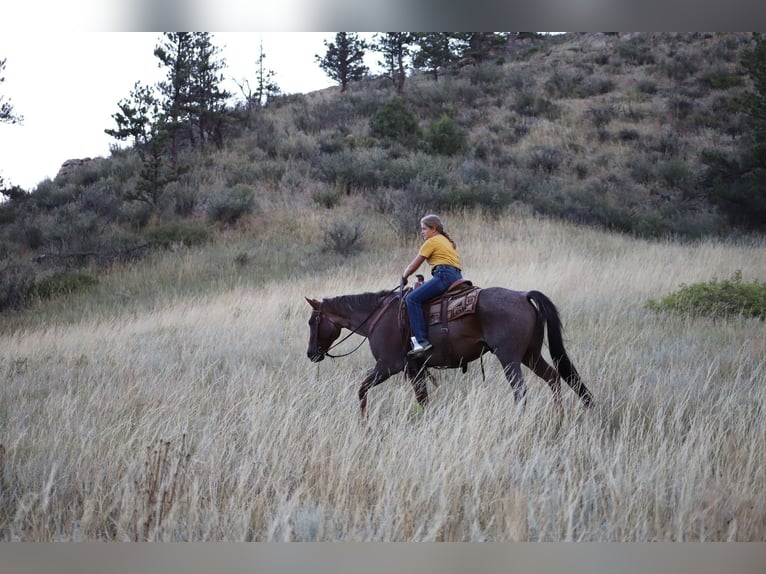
(458, 305)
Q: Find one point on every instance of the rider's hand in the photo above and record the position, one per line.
(404, 280)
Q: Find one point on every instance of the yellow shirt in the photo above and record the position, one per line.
(438, 250)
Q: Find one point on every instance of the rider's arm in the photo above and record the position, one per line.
(413, 266)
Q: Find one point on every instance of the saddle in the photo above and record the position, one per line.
(458, 300)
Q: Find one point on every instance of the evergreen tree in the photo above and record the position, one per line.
(737, 185)
(434, 52)
(265, 86)
(176, 52)
(395, 47)
(136, 116)
(207, 101)
(477, 47)
(7, 114)
(155, 173)
(344, 59)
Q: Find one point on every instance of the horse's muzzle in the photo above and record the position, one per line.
(315, 356)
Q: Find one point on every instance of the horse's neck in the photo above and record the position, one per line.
(357, 312)
(349, 314)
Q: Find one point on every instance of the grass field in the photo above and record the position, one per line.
(177, 403)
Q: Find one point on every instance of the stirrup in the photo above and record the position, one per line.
(419, 348)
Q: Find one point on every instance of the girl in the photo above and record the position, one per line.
(441, 253)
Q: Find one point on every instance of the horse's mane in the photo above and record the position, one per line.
(357, 302)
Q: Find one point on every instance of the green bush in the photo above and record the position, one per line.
(61, 284)
(445, 137)
(721, 79)
(395, 122)
(177, 233)
(527, 104)
(718, 299)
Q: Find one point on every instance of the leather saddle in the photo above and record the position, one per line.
(458, 300)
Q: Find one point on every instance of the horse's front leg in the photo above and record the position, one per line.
(416, 372)
(376, 376)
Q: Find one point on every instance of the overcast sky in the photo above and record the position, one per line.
(67, 86)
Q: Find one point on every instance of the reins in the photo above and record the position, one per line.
(355, 330)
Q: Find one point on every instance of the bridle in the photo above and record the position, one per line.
(317, 313)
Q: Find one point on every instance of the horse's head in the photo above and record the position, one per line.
(323, 332)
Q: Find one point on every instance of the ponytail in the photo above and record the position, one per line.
(435, 222)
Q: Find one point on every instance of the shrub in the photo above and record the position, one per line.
(721, 79)
(328, 196)
(528, 104)
(636, 51)
(342, 237)
(602, 115)
(646, 86)
(717, 299)
(15, 282)
(232, 204)
(544, 159)
(177, 233)
(680, 67)
(628, 135)
(563, 84)
(61, 284)
(395, 122)
(352, 170)
(445, 137)
(674, 173)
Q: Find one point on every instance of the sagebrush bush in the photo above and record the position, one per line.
(232, 204)
(716, 298)
(61, 284)
(166, 235)
(343, 237)
(529, 104)
(327, 196)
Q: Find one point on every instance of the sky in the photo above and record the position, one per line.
(68, 85)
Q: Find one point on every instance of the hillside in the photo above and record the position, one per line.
(598, 129)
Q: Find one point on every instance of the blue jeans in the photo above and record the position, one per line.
(443, 277)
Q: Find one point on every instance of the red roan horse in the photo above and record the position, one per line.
(508, 323)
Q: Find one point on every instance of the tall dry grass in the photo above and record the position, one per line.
(200, 418)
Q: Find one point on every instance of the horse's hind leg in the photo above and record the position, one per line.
(543, 370)
(512, 370)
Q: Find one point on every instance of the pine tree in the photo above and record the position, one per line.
(434, 52)
(266, 87)
(737, 184)
(395, 47)
(7, 114)
(136, 116)
(207, 101)
(176, 52)
(344, 59)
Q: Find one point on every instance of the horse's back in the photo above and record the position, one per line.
(505, 312)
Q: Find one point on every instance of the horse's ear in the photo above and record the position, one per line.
(313, 302)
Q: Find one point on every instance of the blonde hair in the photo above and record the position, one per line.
(435, 222)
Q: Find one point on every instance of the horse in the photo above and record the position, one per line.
(509, 324)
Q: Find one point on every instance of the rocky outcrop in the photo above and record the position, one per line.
(72, 165)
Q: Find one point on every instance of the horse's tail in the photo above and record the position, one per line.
(561, 360)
